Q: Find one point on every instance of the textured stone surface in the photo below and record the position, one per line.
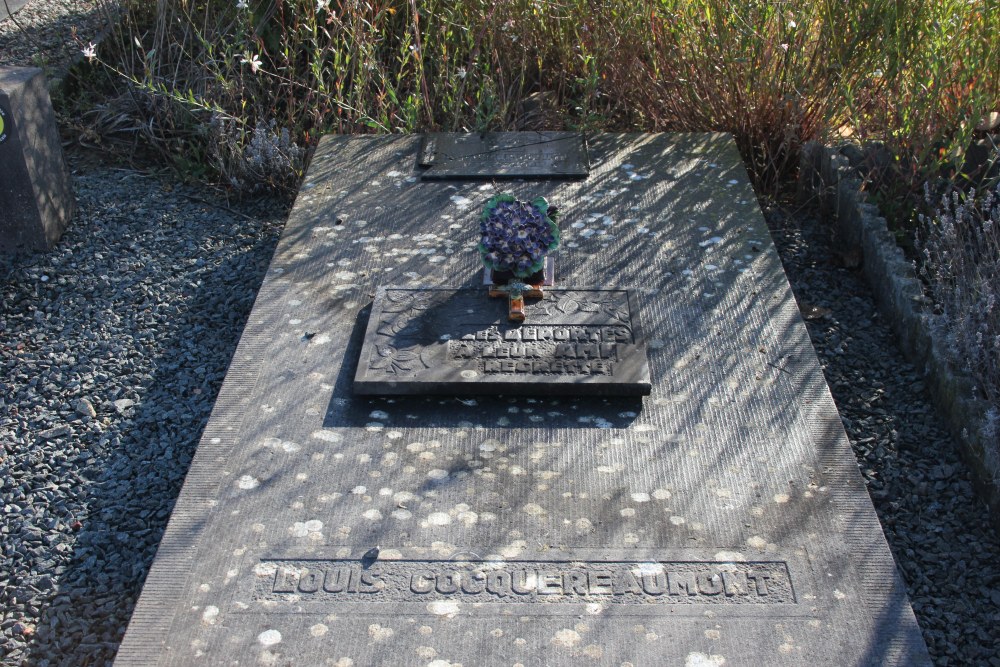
(460, 342)
(35, 193)
(8, 7)
(720, 519)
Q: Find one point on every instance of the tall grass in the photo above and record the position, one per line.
(935, 77)
(961, 266)
(238, 89)
(206, 81)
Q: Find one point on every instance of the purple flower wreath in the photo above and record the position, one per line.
(517, 235)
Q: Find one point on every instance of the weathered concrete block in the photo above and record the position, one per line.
(36, 198)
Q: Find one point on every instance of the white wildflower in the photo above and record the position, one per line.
(90, 51)
(243, 4)
(253, 61)
(460, 73)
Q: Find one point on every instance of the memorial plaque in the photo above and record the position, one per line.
(720, 520)
(497, 155)
(459, 342)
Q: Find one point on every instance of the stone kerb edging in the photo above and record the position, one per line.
(827, 177)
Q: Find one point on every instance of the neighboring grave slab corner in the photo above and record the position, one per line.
(35, 188)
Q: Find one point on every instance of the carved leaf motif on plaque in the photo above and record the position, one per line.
(611, 305)
(395, 361)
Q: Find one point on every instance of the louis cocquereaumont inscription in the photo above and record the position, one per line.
(686, 582)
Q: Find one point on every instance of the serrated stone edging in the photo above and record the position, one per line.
(827, 178)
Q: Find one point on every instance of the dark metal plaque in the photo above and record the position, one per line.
(459, 341)
(494, 155)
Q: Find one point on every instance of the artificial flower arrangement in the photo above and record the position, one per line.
(515, 238)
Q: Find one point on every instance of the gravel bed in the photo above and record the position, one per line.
(41, 34)
(112, 349)
(936, 526)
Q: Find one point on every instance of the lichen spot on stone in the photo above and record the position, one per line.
(426, 652)
(533, 509)
(439, 519)
(443, 608)
(566, 638)
(210, 614)
(698, 659)
(269, 637)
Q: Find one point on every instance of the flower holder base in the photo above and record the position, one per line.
(505, 283)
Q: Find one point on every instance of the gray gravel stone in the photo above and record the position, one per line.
(85, 408)
(53, 433)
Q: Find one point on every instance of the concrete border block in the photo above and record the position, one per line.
(36, 197)
(827, 177)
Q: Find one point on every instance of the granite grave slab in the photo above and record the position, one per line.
(719, 520)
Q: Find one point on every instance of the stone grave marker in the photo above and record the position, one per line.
(455, 342)
(719, 520)
(36, 195)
